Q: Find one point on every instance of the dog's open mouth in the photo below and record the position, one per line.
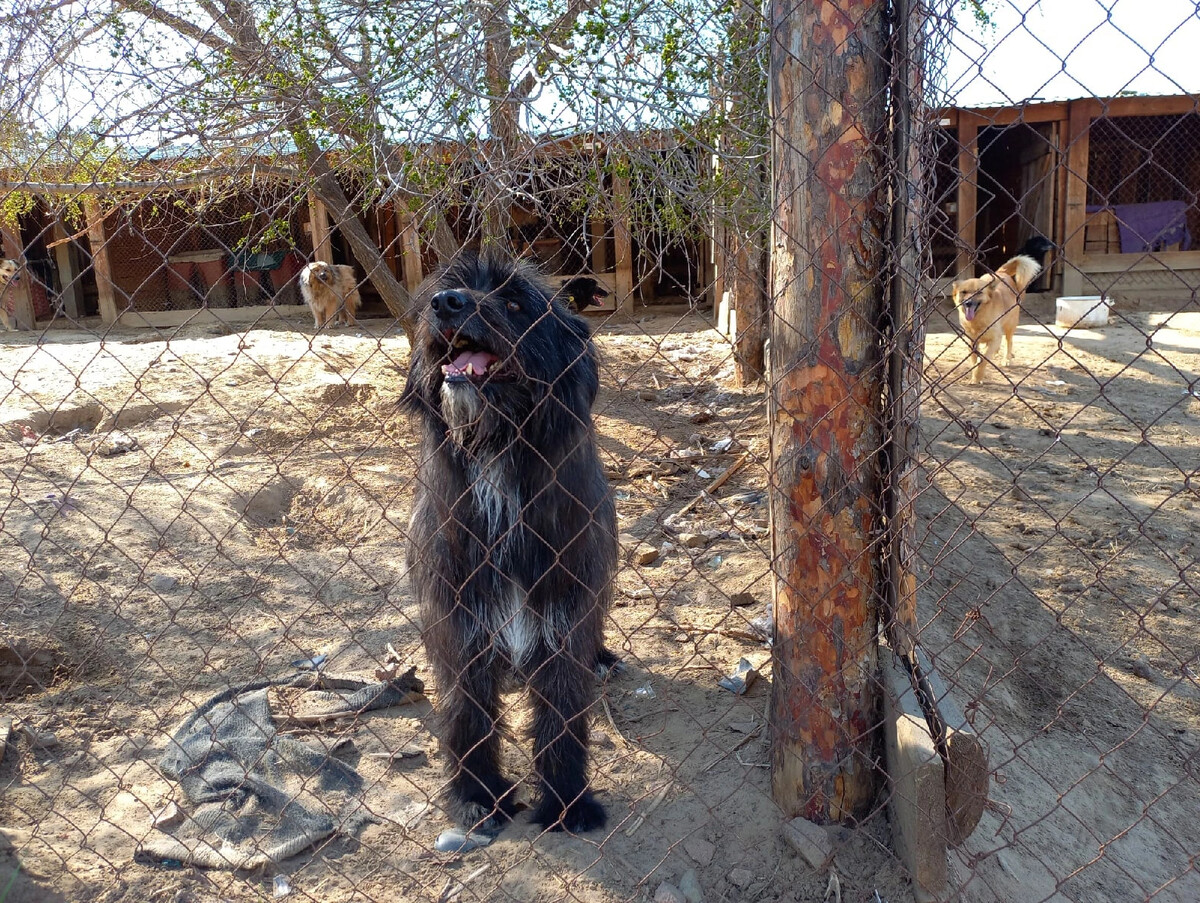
(971, 308)
(467, 362)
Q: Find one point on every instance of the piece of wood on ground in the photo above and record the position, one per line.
(966, 773)
(917, 803)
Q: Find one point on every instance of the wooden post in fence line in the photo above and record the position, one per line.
(968, 195)
(318, 219)
(622, 244)
(101, 266)
(829, 116)
(64, 259)
(410, 250)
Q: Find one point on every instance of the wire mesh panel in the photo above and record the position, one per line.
(537, 452)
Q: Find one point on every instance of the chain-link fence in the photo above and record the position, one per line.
(316, 611)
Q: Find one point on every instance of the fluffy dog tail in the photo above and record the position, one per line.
(1021, 270)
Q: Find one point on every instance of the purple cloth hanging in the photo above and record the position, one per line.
(1150, 227)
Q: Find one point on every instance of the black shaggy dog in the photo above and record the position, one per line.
(582, 292)
(513, 537)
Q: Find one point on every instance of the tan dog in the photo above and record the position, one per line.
(10, 274)
(331, 292)
(990, 306)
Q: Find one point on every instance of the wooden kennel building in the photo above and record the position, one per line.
(160, 252)
(1114, 183)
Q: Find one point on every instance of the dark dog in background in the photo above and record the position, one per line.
(1036, 248)
(583, 292)
(513, 542)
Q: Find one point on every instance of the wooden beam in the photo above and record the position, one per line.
(1170, 105)
(318, 219)
(64, 259)
(1031, 113)
(599, 245)
(917, 801)
(168, 319)
(410, 250)
(101, 266)
(828, 277)
(1075, 215)
(968, 196)
(622, 244)
(18, 291)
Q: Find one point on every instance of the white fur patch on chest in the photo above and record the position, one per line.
(495, 495)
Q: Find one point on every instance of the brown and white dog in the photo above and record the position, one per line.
(990, 306)
(331, 293)
(10, 274)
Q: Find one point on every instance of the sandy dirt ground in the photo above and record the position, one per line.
(260, 520)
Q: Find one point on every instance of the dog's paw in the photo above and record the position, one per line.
(584, 814)
(484, 811)
(608, 664)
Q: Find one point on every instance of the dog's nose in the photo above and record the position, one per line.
(448, 302)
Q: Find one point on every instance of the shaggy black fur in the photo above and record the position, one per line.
(583, 291)
(513, 538)
(1037, 247)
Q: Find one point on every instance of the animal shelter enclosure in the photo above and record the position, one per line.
(885, 632)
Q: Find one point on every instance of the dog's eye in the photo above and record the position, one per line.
(514, 306)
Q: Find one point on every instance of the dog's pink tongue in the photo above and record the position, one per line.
(970, 312)
(476, 361)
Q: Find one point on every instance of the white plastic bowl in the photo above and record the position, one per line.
(1082, 311)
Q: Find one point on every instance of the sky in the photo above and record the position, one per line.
(1065, 49)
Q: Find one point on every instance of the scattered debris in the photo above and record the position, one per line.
(162, 583)
(313, 663)
(116, 443)
(810, 840)
(281, 887)
(647, 555)
(669, 893)
(408, 753)
(740, 680)
(646, 692)
(740, 877)
(38, 739)
(742, 600)
(455, 840)
(700, 850)
(648, 395)
(29, 438)
(1142, 668)
(167, 817)
(689, 885)
(693, 540)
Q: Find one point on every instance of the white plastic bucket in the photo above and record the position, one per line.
(1082, 311)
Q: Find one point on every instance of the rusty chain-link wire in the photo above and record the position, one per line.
(213, 682)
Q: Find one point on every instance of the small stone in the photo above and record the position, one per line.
(702, 417)
(647, 555)
(669, 893)
(742, 600)
(648, 395)
(1187, 504)
(810, 840)
(167, 817)
(689, 885)
(700, 850)
(693, 540)
(162, 583)
(740, 877)
(1142, 668)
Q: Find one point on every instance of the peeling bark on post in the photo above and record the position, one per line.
(828, 101)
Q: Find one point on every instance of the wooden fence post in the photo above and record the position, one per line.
(829, 117)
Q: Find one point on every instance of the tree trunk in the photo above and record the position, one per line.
(828, 102)
(745, 280)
